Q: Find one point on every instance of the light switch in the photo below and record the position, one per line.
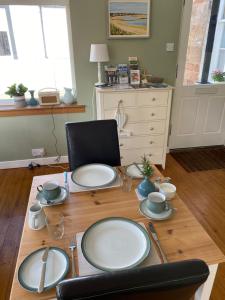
(169, 47)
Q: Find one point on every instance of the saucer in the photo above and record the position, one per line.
(154, 216)
(59, 200)
(57, 267)
(133, 171)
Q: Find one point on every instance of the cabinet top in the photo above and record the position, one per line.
(129, 88)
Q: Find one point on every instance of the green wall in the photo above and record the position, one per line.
(18, 135)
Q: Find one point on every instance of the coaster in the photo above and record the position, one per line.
(87, 269)
(74, 188)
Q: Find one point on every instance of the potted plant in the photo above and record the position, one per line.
(218, 76)
(146, 186)
(17, 92)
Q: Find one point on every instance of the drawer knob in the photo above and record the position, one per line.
(152, 128)
(121, 101)
(121, 157)
(154, 99)
(121, 145)
(152, 114)
(151, 142)
(150, 155)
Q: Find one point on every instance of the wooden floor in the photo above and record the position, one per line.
(203, 192)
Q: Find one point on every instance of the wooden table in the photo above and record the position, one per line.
(181, 237)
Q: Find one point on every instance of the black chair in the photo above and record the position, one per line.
(172, 281)
(93, 142)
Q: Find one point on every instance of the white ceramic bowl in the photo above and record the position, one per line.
(168, 189)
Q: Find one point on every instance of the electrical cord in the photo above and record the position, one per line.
(55, 137)
(93, 100)
(60, 167)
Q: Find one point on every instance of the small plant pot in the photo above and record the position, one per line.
(20, 101)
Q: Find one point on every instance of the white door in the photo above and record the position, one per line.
(198, 110)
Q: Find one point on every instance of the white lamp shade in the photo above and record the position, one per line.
(99, 53)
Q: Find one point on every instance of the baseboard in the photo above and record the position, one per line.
(25, 162)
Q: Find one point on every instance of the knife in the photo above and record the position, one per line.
(43, 270)
(156, 239)
(137, 166)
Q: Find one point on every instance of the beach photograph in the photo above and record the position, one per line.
(129, 18)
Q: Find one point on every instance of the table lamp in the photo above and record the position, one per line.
(99, 53)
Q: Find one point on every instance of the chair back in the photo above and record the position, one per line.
(93, 142)
(171, 281)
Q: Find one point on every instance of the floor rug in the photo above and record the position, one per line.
(200, 159)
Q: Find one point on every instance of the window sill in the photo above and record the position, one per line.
(11, 111)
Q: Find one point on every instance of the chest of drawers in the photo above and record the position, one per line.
(147, 121)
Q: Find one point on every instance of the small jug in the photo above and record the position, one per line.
(68, 97)
(36, 219)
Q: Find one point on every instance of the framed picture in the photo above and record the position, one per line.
(128, 18)
(135, 77)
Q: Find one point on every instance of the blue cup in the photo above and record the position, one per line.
(157, 202)
(50, 190)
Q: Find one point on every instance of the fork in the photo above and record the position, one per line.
(72, 247)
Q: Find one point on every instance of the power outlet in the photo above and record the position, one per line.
(170, 47)
(39, 152)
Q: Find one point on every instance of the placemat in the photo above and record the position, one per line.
(140, 198)
(74, 188)
(87, 269)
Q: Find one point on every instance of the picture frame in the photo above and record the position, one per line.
(135, 77)
(129, 19)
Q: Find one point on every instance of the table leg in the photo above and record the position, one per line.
(204, 292)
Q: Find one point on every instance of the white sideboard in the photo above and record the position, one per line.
(147, 114)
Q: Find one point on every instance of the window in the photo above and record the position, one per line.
(34, 47)
(218, 51)
(206, 42)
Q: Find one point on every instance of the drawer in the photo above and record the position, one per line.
(141, 142)
(152, 98)
(111, 100)
(155, 155)
(140, 114)
(154, 127)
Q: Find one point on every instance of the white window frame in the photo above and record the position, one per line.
(220, 29)
(65, 3)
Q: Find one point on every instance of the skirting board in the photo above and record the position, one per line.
(40, 160)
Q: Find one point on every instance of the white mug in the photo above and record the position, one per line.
(36, 217)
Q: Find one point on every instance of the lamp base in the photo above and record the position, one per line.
(100, 84)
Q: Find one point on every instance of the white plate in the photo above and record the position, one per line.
(59, 200)
(153, 216)
(93, 175)
(133, 171)
(114, 244)
(57, 267)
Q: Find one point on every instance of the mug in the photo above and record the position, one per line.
(36, 218)
(157, 202)
(50, 190)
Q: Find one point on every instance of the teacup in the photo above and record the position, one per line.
(157, 202)
(50, 190)
(37, 217)
(168, 189)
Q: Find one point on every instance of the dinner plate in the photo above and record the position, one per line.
(133, 171)
(93, 175)
(114, 244)
(154, 216)
(57, 267)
